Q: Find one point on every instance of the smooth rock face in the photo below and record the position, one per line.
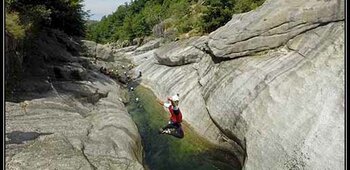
(281, 108)
(272, 25)
(166, 81)
(90, 47)
(81, 130)
(181, 52)
(287, 104)
(75, 121)
(102, 52)
(149, 45)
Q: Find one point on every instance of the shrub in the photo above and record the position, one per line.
(13, 25)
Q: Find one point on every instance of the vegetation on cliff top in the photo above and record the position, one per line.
(31, 16)
(140, 18)
(25, 19)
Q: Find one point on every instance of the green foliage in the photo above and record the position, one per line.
(138, 18)
(13, 26)
(153, 13)
(217, 13)
(247, 5)
(140, 26)
(66, 15)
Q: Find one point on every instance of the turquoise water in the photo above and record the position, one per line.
(168, 152)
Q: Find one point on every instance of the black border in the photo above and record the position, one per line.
(3, 84)
(345, 84)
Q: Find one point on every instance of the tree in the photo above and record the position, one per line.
(137, 18)
(13, 25)
(217, 13)
(66, 15)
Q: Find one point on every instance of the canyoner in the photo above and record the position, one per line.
(173, 127)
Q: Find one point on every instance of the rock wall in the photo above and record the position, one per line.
(13, 61)
(269, 84)
(66, 115)
(272, 25)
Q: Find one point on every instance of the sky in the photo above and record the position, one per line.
(100, 8)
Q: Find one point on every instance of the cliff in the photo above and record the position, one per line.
(269, 84)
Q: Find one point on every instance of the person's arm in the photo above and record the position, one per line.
(167, 105)
(171, 101)
(160, 102)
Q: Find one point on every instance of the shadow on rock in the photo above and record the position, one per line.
(18, 137)
(53, 58)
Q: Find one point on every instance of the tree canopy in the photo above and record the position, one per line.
(131, 20)
(136, 19)
(65, 15)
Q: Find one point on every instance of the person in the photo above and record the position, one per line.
(174, 125)
(140, 74)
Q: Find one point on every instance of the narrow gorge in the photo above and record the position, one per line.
(266, 90)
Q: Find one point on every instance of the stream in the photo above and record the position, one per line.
(168, 152)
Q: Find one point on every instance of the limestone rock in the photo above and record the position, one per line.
(102, 52)
(70, 72)
(77, 122)
(283, 106)
(149, 46)
(80, 131)
(89, 48)
(181, 52)
(126, 49)
(272, 25)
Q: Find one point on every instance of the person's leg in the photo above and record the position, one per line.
(178, 132)
(166, 128)
(175, 130)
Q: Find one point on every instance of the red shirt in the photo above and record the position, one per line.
(176, 118)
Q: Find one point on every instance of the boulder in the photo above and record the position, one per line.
(165, 30)
(181, 52)
(89, 48)
(149, 46)
(99, 51)
(103, 52)
(73, 71)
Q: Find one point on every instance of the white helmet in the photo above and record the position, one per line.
(175, 98)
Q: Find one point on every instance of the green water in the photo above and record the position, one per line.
(167, 152)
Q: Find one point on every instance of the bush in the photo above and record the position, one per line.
(13, 25)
